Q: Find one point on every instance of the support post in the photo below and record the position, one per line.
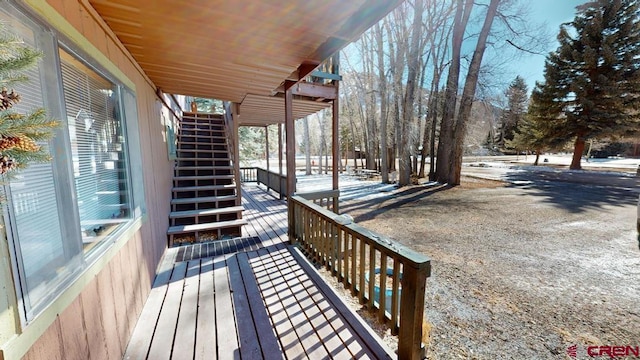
(412, 311)
(281, 191)
(291, 158)
(335, 134)
(266, 151)
(236, 151)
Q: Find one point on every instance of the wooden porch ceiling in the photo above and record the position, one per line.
(231, 49)
(257, 110)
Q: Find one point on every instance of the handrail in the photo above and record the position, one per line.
(231, 132)
(328, 199)
(357, 256)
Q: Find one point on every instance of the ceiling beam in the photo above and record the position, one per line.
(315, 90)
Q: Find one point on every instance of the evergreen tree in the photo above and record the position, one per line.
(21, 135)
(512, 115)
(592, 81)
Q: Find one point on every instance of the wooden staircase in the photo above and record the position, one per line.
(205, 204)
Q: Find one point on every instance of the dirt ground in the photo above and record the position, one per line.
(513, 275)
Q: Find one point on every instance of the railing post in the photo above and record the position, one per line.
(414, 280)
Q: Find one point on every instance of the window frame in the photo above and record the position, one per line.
(50, 41)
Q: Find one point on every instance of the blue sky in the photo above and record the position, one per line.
(552, 13)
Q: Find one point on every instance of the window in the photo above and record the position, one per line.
(98, 150)
(62, 215)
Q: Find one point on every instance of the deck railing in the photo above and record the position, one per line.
(248, 174)
(369, 265)
(328, 199)
(272, 180)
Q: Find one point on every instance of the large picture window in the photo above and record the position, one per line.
(62, 215)
(98, 150)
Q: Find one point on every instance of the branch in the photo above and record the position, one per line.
(523, 49)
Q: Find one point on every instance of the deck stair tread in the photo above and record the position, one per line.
(202, 177)
(180, 229)
(205, 199)
(205, 212)
(204, 188)
(223, 167)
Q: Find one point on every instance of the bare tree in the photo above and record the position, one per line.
(382, 79)
(450, 149)
(409, 98)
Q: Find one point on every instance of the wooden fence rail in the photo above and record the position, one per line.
(386, 276)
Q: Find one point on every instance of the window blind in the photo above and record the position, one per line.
(98, 149)
(34, 208)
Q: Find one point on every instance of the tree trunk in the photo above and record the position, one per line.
(578, 149)
(384, 160)
(446, 145)
(413, 64)
(535, 163)
(458, 129)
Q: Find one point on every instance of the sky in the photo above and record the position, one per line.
(552, 13)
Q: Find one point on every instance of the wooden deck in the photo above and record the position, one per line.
(250, 298)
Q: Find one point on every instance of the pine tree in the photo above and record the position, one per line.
(592, 81)
(513, 114)
(20, 134)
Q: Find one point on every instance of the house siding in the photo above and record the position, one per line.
(97, 320)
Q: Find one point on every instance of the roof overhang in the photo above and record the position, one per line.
(231, 49)
(259, 110)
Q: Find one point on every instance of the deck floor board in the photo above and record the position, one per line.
(254, 298)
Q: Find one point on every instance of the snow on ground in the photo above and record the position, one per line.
(350, 187)
(557, 159)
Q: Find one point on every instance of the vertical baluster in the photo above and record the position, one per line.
(395, 299)
(347, 259)
(325, 242)
(337, 240)
(362, 259)
(307, 229)
(354, 244)
(372, 275)
(383, 288)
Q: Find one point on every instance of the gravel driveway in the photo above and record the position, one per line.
(520, 272)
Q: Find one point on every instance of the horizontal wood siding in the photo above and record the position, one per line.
(100, 321)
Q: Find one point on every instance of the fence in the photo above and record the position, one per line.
(386, 276)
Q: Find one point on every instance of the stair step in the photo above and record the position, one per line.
(202, 121)
(181, 229)
(202, 159)
(205, 212)
(202, 177)
(204, 136)
(203, 199)
(202, 142)
(203, 188)
(225, 167)
(203, 151)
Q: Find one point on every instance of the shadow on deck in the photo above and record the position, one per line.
(249, 298)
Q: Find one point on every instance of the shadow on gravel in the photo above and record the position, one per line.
(401, 198)
(577, 193)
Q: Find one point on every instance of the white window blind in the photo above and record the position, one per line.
(43, 255)
(98, 150)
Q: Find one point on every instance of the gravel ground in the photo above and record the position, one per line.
(514, 275)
